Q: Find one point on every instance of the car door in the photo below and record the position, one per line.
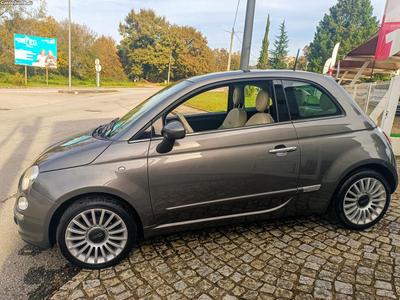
(218, 174)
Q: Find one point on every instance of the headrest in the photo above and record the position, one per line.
(238, 96)
(300, 96)
(325, 103)
(262, 101)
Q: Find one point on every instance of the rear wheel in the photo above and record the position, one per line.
(362, 200)
(96, 232)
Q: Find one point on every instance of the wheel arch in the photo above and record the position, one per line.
(379, 168)
(67, 203)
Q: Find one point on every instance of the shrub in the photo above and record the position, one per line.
(18, 79)
(250, 90)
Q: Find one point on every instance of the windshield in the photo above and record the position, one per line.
(147, 105)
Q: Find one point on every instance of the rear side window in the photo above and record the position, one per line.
(308, 101)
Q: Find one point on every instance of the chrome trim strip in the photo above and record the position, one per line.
(311, 188)
(230, 199)
(19, 216)
(222, 217)
(138, 141)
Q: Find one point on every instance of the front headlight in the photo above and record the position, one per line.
(29, 177)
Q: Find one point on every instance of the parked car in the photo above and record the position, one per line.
(204, 152)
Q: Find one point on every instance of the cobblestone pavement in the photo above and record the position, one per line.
(304, 258)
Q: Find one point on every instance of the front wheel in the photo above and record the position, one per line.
(362, 200)
(96, 232)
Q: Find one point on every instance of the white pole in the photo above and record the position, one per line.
(169, 68)
(69, 46)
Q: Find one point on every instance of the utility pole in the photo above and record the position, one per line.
(247, 35)
(230, 50)
(232, 35)
(169, 67)
(69, 46)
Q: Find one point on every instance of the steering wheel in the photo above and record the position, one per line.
(185, 123)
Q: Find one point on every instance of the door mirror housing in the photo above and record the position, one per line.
(171, 131)
(174, 131)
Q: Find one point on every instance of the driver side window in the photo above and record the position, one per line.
(202, 112)
(212, 101)
(231, 106)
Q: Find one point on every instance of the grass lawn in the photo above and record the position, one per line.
(216, 101)
(61, 81)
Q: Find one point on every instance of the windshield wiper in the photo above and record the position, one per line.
(102, 130)
(97, 131)
(108, 128)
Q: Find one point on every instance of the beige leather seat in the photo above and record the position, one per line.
(328, 108)
(237, 117)
(262, 104)
(301, 97)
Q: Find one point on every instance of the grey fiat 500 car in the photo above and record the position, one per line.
(210, 150)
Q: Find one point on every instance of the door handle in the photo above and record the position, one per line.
(283, 150)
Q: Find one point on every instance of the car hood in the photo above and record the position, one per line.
(78, 150)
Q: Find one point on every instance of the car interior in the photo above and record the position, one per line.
(247, 104)
(311, 102)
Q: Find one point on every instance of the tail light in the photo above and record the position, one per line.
(386, 136)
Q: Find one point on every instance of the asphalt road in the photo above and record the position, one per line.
(30, 121)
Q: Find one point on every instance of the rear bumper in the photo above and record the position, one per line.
(33, 223)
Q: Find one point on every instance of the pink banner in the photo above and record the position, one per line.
(389, 36)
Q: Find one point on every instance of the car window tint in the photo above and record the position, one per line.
(308, 101)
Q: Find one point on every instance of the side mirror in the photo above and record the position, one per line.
(172, 131)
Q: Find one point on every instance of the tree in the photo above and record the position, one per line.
(106, 51)
(220, 60)
(302, 61)
(144, 50)
(350, 23)
(82, 49)
(149, 41)
(192, 56)
(263, 59)
(280, 51)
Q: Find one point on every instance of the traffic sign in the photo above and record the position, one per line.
(97, 61)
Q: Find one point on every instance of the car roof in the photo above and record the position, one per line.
(239, 74)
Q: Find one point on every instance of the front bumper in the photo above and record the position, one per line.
(34, 222)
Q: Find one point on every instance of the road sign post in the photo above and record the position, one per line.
(98, 70)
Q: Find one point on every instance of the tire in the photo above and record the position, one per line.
(362, 200)
(99, 244)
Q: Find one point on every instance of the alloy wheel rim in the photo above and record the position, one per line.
(364, 201)
(96, 236)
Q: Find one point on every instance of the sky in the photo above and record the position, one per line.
(213, 18)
